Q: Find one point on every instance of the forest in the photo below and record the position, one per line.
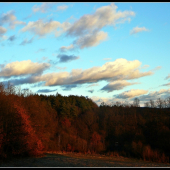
(33, 124)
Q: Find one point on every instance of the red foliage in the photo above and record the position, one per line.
(68, 147)
(96, 138)
(33, 145)
(96, 142)
(66, 122)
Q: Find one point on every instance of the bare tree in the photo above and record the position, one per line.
(146, 104)
(136, 102)
(118, 104)
(165, 104)
(152, 103)
(168, 102)
(159, 103)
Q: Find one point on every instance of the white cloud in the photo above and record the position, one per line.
(62, 8)
(120, 69)
(10, 18)
(25, 41)
(90, 40)
(131, 93)
(86, 41)
(87, 29)
(40, 50)
(61, 68)
(19, 68)
(66, 48)
(2, 30)
(107, 59)
(94, 84)
(104, 16)
(99, 100)
(138, 29)
(41, 28)
(44, 7)
(167, 84)
(163, 93)
(167, 77)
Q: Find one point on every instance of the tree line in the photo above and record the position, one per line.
(33, 124)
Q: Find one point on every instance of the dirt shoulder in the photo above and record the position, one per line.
(78, 160)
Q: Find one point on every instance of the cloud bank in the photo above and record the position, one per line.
(25, 67)
(120, 69)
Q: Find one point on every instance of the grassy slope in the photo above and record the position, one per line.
(78, 160)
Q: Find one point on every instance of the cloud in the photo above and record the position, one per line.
(25, 80)
(163, 93)
(41, 28)
(45, 90)
(27, 17)
(68, 87)
(131, 93)
(61, 68)
(156, 68)
(90, 40)
(25, 67)
(10, 18)
(94, 84)
(138, 29)
(25, 41)
(91, 91)
(66, 48)
(116, 85)
(62, 8)
(120, 69)
(12, 38)
(2, 30)
(99, 100)
(87, 29)
(103, 16)
(44, 7)
(40, 50)
(63, 58)
(107, 59)
(168, 84)
(167, 77)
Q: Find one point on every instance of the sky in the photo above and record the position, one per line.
(104, 51)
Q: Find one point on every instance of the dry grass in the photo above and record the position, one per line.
(151, 155)
(59, 159)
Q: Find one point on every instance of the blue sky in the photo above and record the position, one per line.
(107, 51)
